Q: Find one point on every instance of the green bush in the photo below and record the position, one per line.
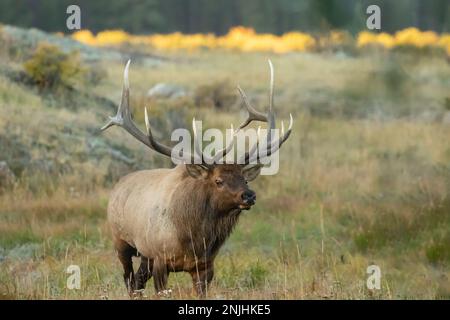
(254, 276)
(51, 68)
(439, 250)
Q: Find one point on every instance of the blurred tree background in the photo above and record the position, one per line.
(192, 16)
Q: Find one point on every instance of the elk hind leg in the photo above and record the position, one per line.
(144, 273)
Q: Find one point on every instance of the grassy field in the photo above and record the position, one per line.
(364, 179)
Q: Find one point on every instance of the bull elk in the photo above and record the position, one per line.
(177, 219)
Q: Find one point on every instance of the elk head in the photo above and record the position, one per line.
(227, 181)
(227, 185)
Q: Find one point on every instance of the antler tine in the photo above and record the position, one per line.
(123, 116)
(271, 85)
(285, 136)
(278, 143)
(270, 114)
(248, 155)
(147, 123)
(275, 145)
(219, 154)
(197, 148)
(118, 118)
(223, 152)
(253, 114)
(270, 127)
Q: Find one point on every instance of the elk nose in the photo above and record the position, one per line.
(249, 196)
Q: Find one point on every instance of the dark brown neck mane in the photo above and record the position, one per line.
(200, 225)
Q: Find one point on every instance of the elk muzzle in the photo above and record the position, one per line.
(248, 198)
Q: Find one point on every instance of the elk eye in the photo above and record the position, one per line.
(219, 182)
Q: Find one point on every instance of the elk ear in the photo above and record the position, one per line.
(196, 171)
(251, 172)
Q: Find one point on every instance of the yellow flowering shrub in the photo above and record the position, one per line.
(112, 37)
(382, 39)
(247, 40)
(85, 36)
(416, 38)
(50, 68)
(296, 41)
(335, 39)
(411, 37)
(238, 38)
(444, 42)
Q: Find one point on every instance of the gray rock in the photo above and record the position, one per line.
(429, 116)
(25, 251)
(6, 175)
(31, 37)
(99, 148)
(166, 91)
(341, 55)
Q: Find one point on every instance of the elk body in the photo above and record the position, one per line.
(177, 219)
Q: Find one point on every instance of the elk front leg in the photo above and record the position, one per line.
(125, 252)
(201, 278)
(160, 275)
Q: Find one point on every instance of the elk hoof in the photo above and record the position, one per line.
(165, 293)
(137, 294)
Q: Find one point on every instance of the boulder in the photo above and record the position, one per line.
(7, 177)
(166, 91)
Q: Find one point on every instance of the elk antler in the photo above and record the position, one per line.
(123, 119)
